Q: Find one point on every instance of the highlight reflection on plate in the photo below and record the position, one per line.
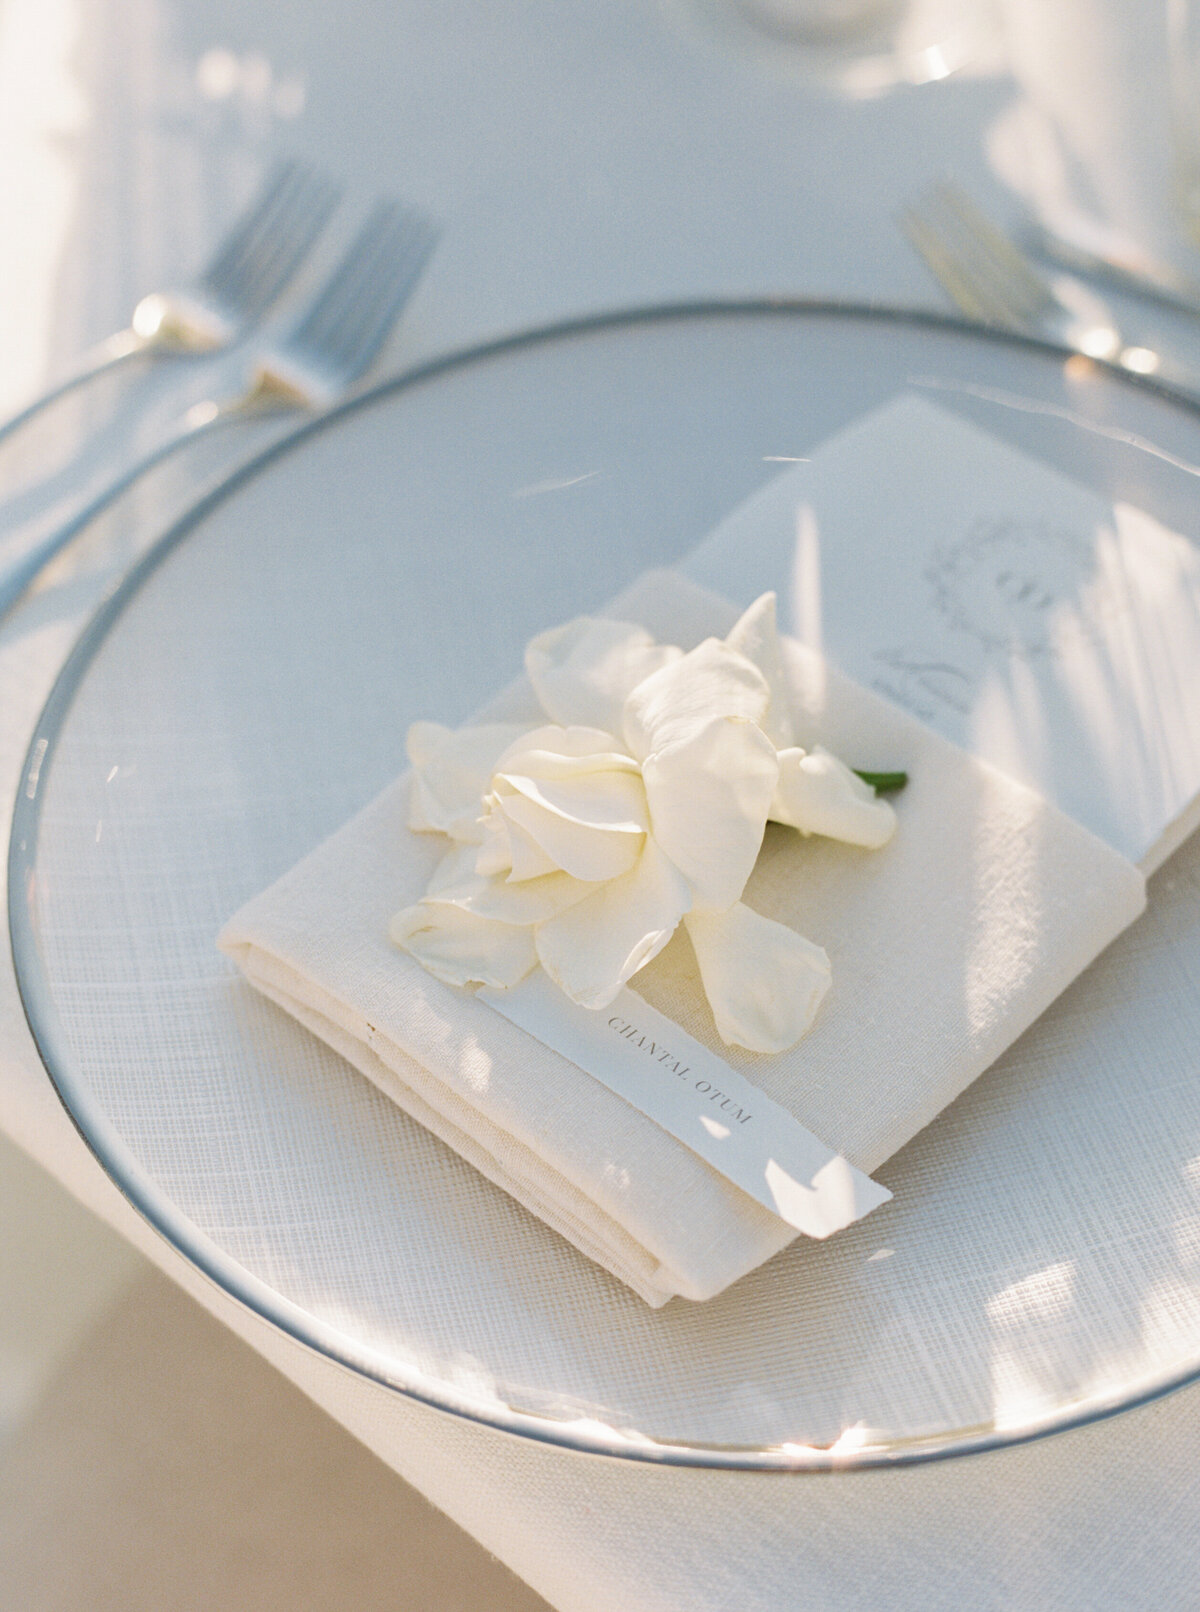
(250, 687)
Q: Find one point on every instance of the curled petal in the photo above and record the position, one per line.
(583, 670)
(592, 948)
(461, 948)
(708, 799)
(457, 883)
(678, 700)
(608, 800)
(585, 853)
(495, 849)
(457, 868)
(551, 768)
(756, 636)
(451, 769)
(818, 794)
(554, 752)
(507, 849)
(528, 859)
(763, 981)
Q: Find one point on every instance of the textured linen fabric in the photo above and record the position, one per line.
(1106, 1517)
(945, 946)
(169, 1468)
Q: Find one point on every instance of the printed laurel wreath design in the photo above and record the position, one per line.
(581, 845)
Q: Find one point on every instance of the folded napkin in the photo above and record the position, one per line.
(945, 945)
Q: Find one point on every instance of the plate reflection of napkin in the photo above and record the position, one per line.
(945, 946)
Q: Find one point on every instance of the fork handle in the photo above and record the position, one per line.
(196, 423)
(106, 355)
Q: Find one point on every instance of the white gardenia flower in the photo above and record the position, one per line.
(582, 844)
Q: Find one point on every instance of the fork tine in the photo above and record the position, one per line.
(269, 225)
(399, 254)
(944, 268)
(974, 264)
(343, 290)
(407, 267)
(1002, 251)
(268, 244)
(232, 248)
(279, 255)
(980, 268)
(349, 321)
(986, 254)
(230, 256)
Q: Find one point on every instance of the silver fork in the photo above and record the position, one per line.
(247, 273)
(990, 279)
(331, 344)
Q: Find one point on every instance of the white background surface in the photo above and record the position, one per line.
(580, 156)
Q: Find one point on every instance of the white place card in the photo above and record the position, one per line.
(696, 1097)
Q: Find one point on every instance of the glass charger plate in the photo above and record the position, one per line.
(249, 687)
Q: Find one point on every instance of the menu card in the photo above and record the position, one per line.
(1041, 628)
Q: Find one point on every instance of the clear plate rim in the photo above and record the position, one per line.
(207, 1258)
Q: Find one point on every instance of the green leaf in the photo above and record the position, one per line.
(884, 783)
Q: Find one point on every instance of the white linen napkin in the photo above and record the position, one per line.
(945, 946)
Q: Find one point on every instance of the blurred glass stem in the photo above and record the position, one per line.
(821, 21)
(1183, 34)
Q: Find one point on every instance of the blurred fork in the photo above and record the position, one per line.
(990, 279)
(247, 273)
(331, 344)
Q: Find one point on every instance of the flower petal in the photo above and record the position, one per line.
(495, 849)
(608, 800)
(528, 859)
(456, 883)
(764, 982)
(461, 948)
(585, 853)
(583, 670)
(672, 704)
(549, 767)
(556, 752)
(507, 849)
(708, 799)
(591, 949)
(818, 794)
(756, 636)
(451, 770)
